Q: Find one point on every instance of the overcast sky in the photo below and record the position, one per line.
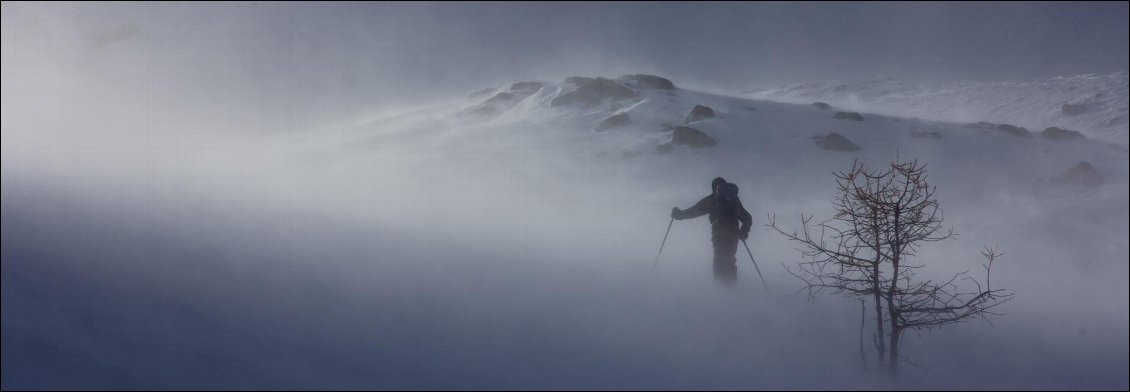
(314, 59)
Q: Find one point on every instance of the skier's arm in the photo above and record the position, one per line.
(745, 218)
(699, 209)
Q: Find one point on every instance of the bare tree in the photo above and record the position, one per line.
(882, 218)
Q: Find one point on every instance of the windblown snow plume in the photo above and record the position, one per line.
(1094, 104)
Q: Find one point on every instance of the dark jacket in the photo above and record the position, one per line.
(720, 225)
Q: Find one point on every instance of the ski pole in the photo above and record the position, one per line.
(664, 243)
(755, 266)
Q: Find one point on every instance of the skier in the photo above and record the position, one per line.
(725, 210)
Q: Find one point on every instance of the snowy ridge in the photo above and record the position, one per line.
(638, 125)
(647, 137)
(1094, 104)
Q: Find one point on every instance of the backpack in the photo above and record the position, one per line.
(726, 203)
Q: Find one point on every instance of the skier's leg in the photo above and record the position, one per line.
(725, 264)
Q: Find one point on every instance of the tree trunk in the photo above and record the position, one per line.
(879, 316)
(878, 290)
(862, 327)
(894, 364)
(896, 246)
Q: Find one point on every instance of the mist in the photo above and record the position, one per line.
(292, 196)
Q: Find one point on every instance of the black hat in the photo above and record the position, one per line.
(714, 184)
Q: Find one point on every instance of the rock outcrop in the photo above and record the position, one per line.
(530, 87)
(835, 142)
(1081, 174)
(641, 81)
(1054, 133)
(699, 113)
(593, 91)
(691, 137)
(500, 97)
(1013, 130)
(613, 121)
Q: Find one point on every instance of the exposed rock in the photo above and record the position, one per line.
(822, 105)
(699, 113)
(981, 125)
(835, 142)
(531, 87)
(1014, 130)
(928, 135)
(1054, 133)
(642, 81)
(1072, 110)
(579, 80)
(664, 148)
(500, 97)
(613, 121)
(848, 116)
(592, 92)
(1081, 174)
(691, 137)
(482, 93)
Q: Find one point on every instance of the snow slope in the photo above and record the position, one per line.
(500, 241)
(1096, 104)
